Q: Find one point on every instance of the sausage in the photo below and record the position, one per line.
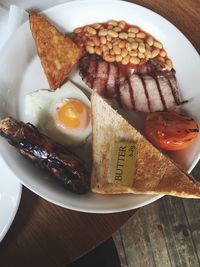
(46, 154)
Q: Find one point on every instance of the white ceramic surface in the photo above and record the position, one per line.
(10, 194)
(10, 187)
(21, 73)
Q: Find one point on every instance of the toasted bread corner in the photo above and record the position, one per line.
(155, 173)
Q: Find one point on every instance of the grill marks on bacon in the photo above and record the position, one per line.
(167, 94)
(155, 102)
(147, 89)
(89, 70)
(112, 81)
(125, 96)
(138, 91)
(173, 84)
(100, 82)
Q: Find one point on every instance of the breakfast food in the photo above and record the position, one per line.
(121, 62)
(124, 63)
(146, 87)
(118, 41)
(58, 161)
(58, 54)
(125, 162)
(63, 114)
(170, 130)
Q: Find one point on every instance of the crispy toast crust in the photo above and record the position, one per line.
(155, 173)
(58, 54)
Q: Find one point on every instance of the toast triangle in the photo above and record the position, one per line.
(58, 53)
(154, 173)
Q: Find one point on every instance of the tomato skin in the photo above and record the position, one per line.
(170, 130)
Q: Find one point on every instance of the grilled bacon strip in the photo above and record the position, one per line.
(46, 154)
(148, 87)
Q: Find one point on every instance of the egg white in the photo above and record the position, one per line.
(41, 106)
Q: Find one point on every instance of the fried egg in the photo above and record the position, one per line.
(63, 114)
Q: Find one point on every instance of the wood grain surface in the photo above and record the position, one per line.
(165, 233)
(184, 14)
(43, 234)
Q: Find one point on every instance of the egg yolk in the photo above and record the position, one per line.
(73, 115)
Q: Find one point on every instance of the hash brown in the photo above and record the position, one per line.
(58, 53)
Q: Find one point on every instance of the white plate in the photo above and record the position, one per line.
(10, 194)
(21, 72)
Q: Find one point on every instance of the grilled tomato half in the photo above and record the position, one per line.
(170, 130)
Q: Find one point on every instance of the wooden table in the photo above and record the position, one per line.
(43, 234)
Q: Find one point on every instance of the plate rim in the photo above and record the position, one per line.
(15, 207)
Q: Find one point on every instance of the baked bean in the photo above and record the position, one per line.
(109, 38)
(117, 50)
(116, 41)
(148, 47)
(163, 53)
(110, 27)
(103, 40)
(125, 60)
(169, 64)
(78, 30)
(123, 35)
(148, 54)
(117, 29)
(131, 34)
(112, 33)
(157, 44)
(90, 49)
(90, 43)
(104, 48)
(150, 41)
(134, 45)
(103, 32)
(161, 59)
(112, 22)
(95, 39)
(141, 55)
(155, 52)
(109, 45)
(98, 51)
(124, 52)
(135, 60)
(133, 53)
(133, 29)
(91, 30)
(141, 48)
(122, 24)
(122, 44)
(130, 40)
(97, 26)
(118, 58)
(141, 35)
(128, 46)
(109, 58)
(138, 40)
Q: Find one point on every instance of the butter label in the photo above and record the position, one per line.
(122, 163)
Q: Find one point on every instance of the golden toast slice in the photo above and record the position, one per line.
(58, 53)
(151, 172)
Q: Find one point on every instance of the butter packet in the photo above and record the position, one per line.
(122, 163)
